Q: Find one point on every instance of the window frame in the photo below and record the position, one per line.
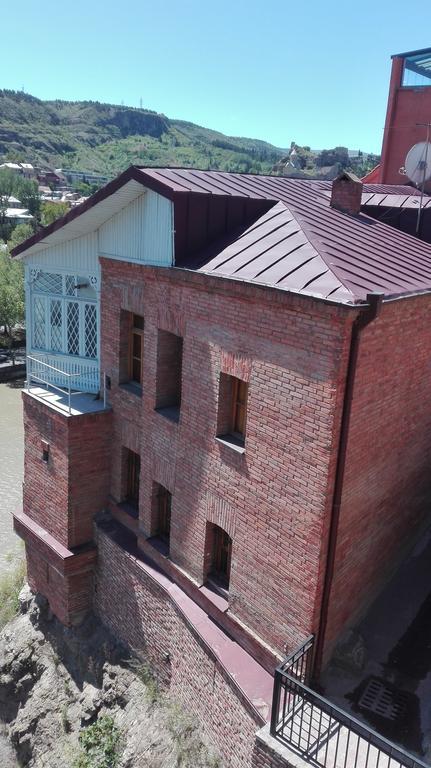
(238, 405)
(135, 331)
(42, 303)
(221, 546)
(132, 479)
(163, 514)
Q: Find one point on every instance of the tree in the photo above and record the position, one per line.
(19, 234)
(11, 293)
(27, 191)
(7, 185)
(12, 183)
(52, 211)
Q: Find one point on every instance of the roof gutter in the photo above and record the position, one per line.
(369, 313)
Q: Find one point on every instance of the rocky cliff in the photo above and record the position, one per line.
(77, 698)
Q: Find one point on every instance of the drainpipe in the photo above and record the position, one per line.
(369, 313)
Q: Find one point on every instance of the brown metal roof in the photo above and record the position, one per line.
(304, 245)
(300, 244)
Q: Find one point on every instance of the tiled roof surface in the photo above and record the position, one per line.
(303, 244)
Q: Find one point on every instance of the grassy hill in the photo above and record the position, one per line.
(106, 138)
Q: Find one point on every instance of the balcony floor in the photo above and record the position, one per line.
(81, 402)
(390, 650)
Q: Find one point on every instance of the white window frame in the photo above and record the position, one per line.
(46, 298)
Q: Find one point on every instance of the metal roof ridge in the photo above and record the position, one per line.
(317, 246)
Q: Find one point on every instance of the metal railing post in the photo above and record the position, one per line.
(275, 709)
(310, 722)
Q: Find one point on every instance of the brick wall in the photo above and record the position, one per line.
(60, 498)
(387, 485)
(293, 352)
(64, 493)
(143, 616)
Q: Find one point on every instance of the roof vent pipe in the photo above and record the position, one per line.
(346, 193)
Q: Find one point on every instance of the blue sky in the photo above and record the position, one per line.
(313, 72)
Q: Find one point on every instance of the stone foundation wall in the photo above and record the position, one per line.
(145, 618)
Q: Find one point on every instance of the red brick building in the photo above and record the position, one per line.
(408, 113)
(227, 424)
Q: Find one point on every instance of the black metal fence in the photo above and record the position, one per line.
(322, 733)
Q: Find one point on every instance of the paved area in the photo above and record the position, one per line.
(381, 672)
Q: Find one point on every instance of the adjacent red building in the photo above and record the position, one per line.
(407, 116)
(227, 424)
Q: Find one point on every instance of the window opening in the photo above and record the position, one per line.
(63, 325)
(133, 471)
(169, 373)
(221, 557)
(163, 523)
(136, 347)
(232, 410)
(239, 407)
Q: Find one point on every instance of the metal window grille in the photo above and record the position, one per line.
(39, 323)
(70, 283)
(90, 330)
(73, 328)
(48, 282)
(56, 324)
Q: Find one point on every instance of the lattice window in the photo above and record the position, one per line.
(70, 285)
(49, 282)
(56, 321)
(72, 328)
(90, 330)
(39, 323)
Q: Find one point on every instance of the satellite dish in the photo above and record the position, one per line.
(418, 162)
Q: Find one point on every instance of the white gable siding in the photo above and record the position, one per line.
(140, 232)
(78, 255)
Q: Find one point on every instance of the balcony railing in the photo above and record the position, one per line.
(322, 733)
(69, 385)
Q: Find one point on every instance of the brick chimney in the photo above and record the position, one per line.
(346, 193)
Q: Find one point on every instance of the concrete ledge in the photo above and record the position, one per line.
(66, 561)
(252, 684)
(213, 605)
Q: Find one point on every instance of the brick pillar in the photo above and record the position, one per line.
(66, 482)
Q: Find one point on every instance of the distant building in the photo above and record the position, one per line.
(16, 213)
(26, 169)
(84, 176)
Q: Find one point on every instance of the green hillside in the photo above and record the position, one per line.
(106, 138)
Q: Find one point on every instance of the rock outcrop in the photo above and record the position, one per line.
(54, 682)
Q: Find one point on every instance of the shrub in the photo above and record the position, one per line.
(99, 745)
(11, 584)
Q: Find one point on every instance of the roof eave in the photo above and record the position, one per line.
(133, 173)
